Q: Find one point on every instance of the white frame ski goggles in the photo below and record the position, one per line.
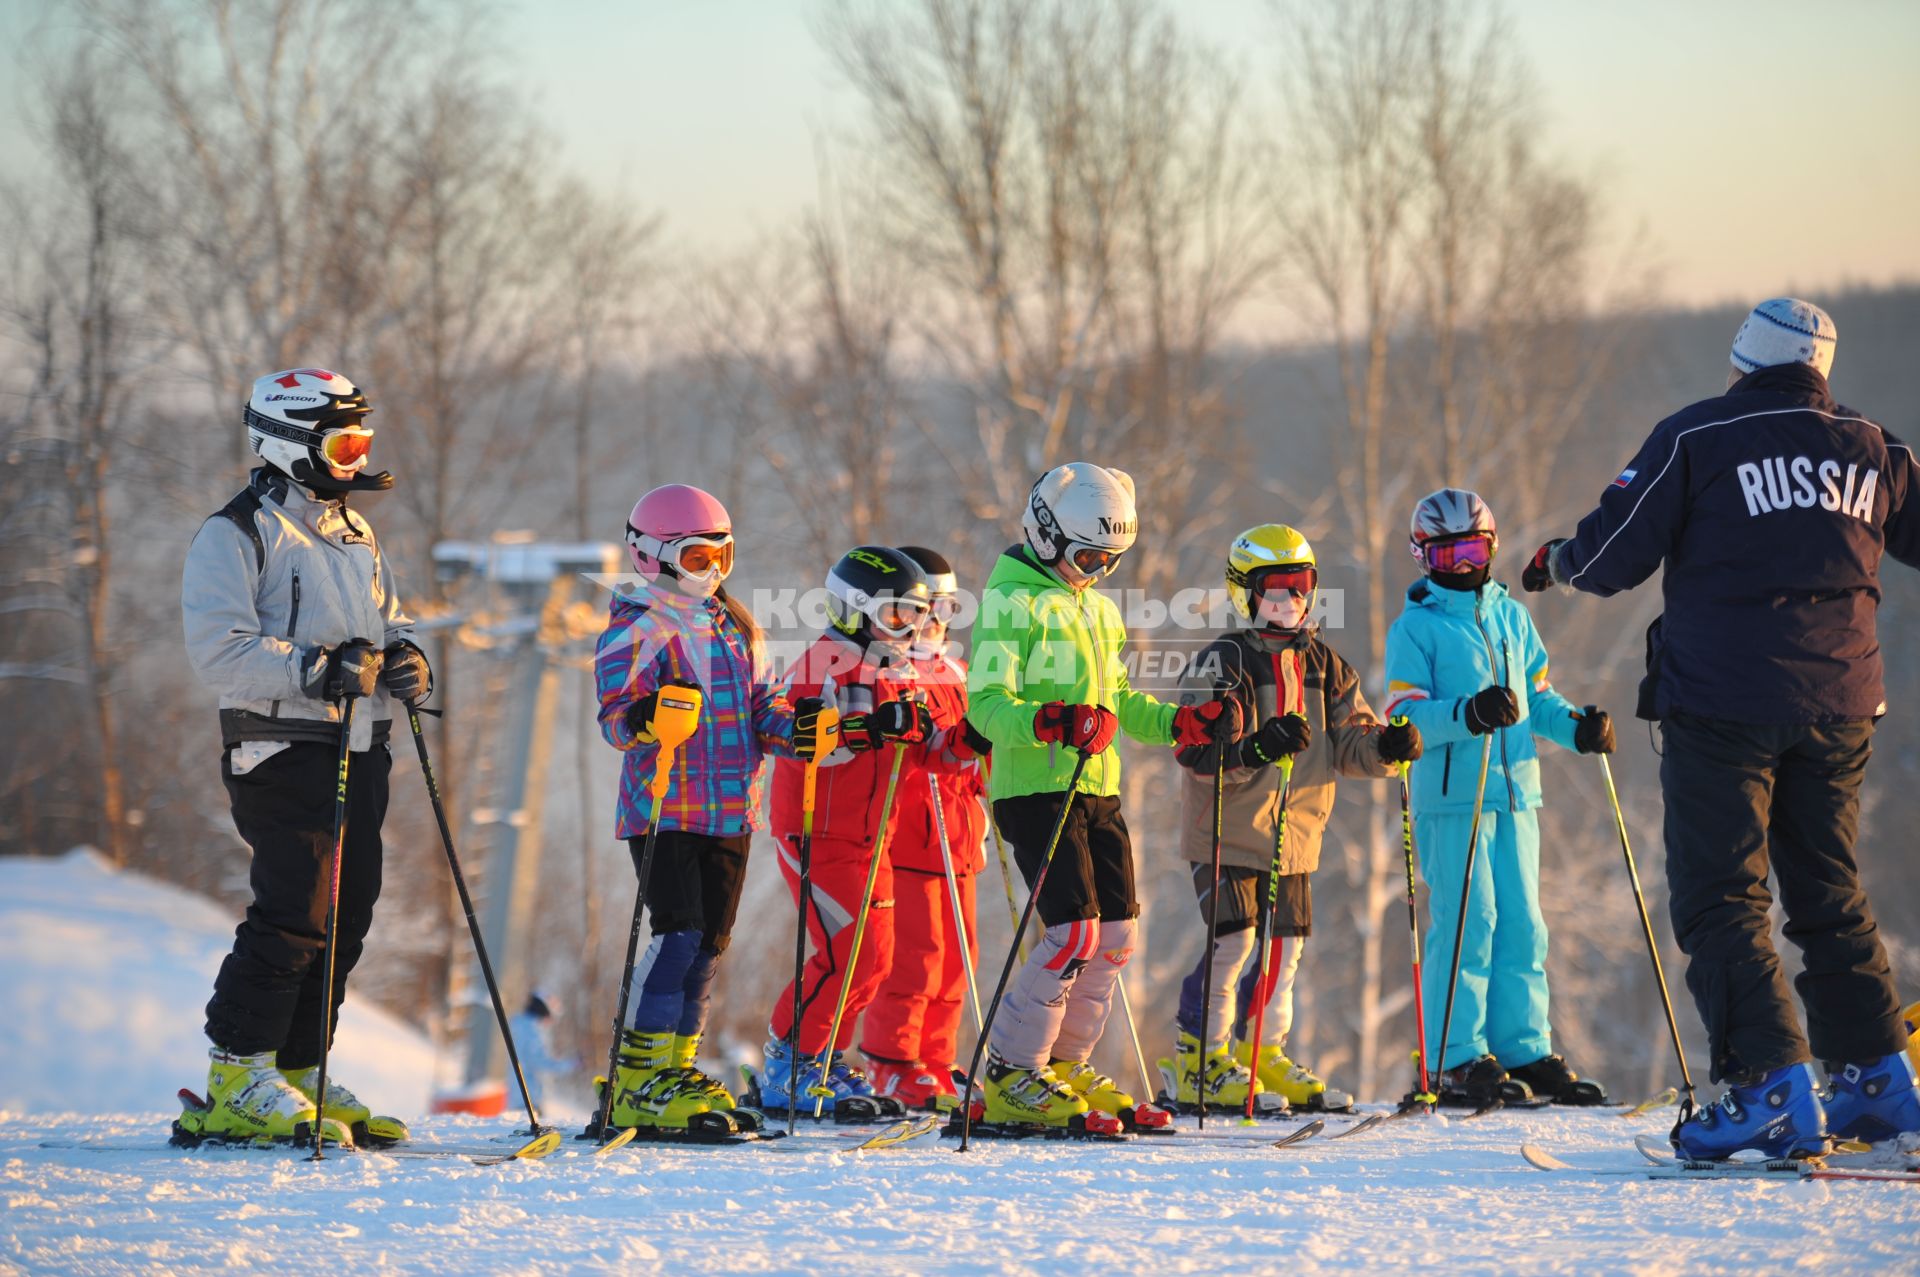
(673, 553)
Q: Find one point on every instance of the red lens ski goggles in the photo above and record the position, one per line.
(1301, 580)
(1458, 554)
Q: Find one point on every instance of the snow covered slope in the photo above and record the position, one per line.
(1447, 1196)
(103, 980)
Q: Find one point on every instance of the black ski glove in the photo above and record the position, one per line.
(405, 671)
(907, 722)
(816, 730)
(1538, 574)
(1593, 732)
(1399, 742)
(1281, 736)
(1490, 708)
(346, 672)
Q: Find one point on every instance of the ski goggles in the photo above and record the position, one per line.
(346, 447)
(1464, 553)
(944, 608)
(1091, 560)
(697, 558)
(1301, 580)
(898, 618)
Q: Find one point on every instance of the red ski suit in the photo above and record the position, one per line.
(915, 1018)
(849, 797)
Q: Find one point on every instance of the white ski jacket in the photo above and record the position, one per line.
(271, 582)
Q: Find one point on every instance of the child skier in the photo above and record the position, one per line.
(1046, 687)
(914, 1022)
(291, 614)
(877, 599)
(1298, 699)
(1464, 660)
(677, 625)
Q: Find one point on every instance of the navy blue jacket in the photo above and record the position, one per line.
(1771, 507)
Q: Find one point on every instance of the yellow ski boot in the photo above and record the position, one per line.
(248, 1101)
(649, 1089)
(1104, 1095)
(1033, 1097)
(1302, 1089)
(1224, 1078)
(344, 1106)
(719, 1099)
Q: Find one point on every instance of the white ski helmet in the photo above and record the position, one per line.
(1450, 512)
(1081, 507)
(305, 421)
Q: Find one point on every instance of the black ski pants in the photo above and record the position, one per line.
(270, 990)
(1743, 800)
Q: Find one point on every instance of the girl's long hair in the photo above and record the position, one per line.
(741, 617)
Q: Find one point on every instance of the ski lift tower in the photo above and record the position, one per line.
(539, 602)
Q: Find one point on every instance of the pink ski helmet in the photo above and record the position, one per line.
(674, 513)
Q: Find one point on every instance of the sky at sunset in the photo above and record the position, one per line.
(1761, 146)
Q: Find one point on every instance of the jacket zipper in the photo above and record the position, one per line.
(1080, 605)
(293, 628)
(1446, 767)
(1506, 772)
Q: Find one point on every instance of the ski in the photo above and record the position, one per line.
(1370, 1122)
(1672, 1168)
(1300, 1134)
(848, 1110)
(1662, 1100)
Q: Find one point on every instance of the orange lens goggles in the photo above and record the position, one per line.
(347, 448)
(701, 557)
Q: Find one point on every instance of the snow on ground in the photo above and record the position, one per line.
(105, 975)
(103, 980)
(1433, 1193)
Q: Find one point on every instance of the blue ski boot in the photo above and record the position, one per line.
(776, 1074)
(1874, 1102)
(1778, 1116)
(855, 1095)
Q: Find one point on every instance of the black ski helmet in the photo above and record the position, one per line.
(876, 594)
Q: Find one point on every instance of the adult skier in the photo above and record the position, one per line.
(913, 1025)
(291, 611)
(1770, 508)
(877, 599)
(676, 624)
(1298, 699)
(1464, 661)
(1046, 686)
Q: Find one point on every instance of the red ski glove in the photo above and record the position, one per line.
(1203, 724)
(1087, 728)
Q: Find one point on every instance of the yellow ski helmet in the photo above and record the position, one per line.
(1260, 549)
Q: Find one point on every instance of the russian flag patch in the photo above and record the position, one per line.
(1625, 479)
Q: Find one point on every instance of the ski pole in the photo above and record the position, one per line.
(828, 727)
(1270, 919)
(820, 1091)
(1133, 1031)
(953, 894)
(1213, 929)
(1646, 929)
(676, 715)
(1013, 949)
(1426, 1097)
(473, 923)
(1000, 850)
(1473, 848)
(333, 924)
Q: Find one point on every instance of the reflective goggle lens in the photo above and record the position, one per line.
(701, 557)
(898, 616)
(945, 608)
(1461, 554)
(1093, 562)
(1294, 580)
(347, 448)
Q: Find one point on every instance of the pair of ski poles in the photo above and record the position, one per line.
(1429, 1079)
(466, 904)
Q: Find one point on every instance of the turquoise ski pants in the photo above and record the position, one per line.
(1500, 1005)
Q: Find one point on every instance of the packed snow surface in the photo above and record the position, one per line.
(105, 975)
(104, 979)
(1449, 1195)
